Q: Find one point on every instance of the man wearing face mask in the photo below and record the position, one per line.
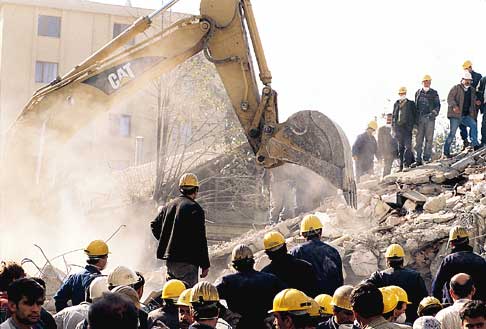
(428, 107)
(476, 78)
(404, 114)
(387, 145)
(343, 316)
(390, 306)
(462, 109)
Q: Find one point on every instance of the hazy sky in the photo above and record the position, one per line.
(346, 58)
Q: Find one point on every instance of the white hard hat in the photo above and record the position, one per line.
(467, 75)
(98, 287)
(122, 276)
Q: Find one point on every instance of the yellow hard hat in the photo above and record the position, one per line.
(427, 302)
(97, 248)
(315, 309)
(390, 300)
(325, 302)
(373, 125)
(241, 252)
(426, 78)
(172, 289)
(402, 90)
(394, 250)
(458, 232)
(204, 292)
(122, 276)
(291, 300)
(189, 180)
(184, 298)
(273, 240)
(467, 64)
(400, 292)
(342, 297)
(310, 223)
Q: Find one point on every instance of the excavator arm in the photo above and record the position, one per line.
(222, 32)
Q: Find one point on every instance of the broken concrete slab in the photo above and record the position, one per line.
(437, 217)
(363, 262)
(410, 205)
(476, 178)
(435, 204)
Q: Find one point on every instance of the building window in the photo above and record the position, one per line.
(118, 28)
(45, 72)
(120, 125)
(49, 26)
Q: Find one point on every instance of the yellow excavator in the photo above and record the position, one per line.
(224, 32)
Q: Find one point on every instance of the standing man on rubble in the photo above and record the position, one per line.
(74, 288)
(428, 106)
(404, 119)
(462, 259)
(364, 150)
(387, 145)
(462, 110)
(181, 230)
(396, 275)
(324, 258)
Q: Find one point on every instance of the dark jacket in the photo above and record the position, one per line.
(167, 315)
(411, 281)
(461, 260)
(404, 116)
(427, 104)
(326, 261)
(476, 78)
(295, 273)
(480, 92)
(181, 231)
(456, 99)
(387, 144)
(74, 288)
(365, 149)
(250, 294)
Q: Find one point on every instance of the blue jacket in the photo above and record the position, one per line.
(461, 260)
(326, 261)
(74, 288)
(250, 294)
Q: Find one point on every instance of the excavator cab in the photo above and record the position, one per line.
(224, 31)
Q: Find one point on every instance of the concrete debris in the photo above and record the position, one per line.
(363, 262)
(410, 205)
(435, 204)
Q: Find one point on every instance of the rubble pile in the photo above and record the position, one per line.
(414, 208)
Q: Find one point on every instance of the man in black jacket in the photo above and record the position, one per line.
(462, 259)
(404, 118)
(295, 273)
(396, 275)
(181, 231)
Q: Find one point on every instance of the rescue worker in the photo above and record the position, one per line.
(181, 231)
(397, 315)
(168, 314)
(133, 296)
(396, 275)
(462, 291)
(462, 110)
(291, 309)
(122, 276)
(367, 302)
(184, 309)
(324, 301)
(240, 288)
(462, 259)
(473, 315)
(113, 311)
(364, 151)
(390, 304)
(74, 288)
(283, 202)
(341, 309)
(429, 306)
(71, 316)
(205, 306)
(426, 322)
(387, 145)
(428, 106)
(293, 272)
(404, 119)
(315, 315)
(324, 258)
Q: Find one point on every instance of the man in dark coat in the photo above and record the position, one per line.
(387, 145)
(404, 118)
(364, 150)
(475, 83)
(462, 259)
(181, 231)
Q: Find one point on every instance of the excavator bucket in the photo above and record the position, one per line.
(310, 139)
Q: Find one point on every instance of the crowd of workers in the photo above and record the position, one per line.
(465, 100)
(300, 288)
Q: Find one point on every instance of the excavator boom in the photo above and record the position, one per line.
(221, 31)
